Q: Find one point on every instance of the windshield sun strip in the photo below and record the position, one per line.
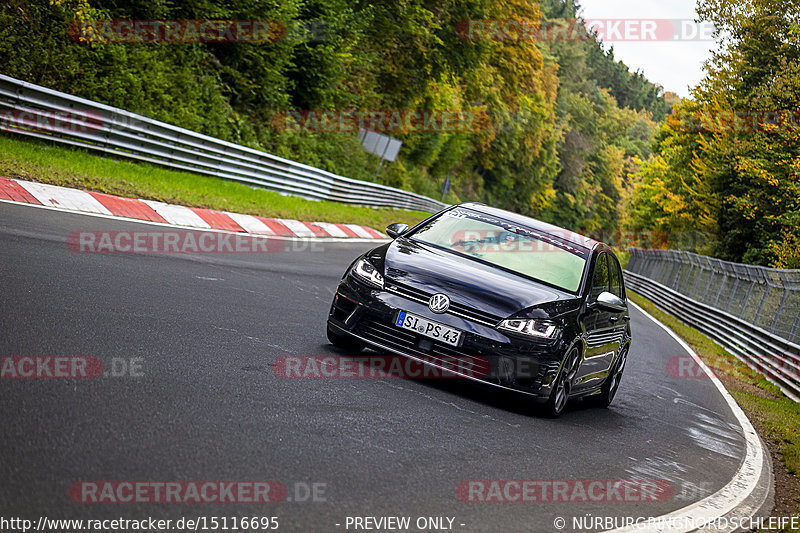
(504, 269)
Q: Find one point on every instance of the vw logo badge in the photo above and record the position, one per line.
(439, 303)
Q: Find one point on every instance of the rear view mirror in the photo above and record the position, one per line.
(609, 301)
(396, 229)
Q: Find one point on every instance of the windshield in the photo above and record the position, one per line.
(518, 249)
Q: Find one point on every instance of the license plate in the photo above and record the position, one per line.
(428, 328)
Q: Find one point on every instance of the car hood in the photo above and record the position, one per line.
(469, 282)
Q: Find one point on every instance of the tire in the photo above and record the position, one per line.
(562, 386)
(343, 341)
(611, 385)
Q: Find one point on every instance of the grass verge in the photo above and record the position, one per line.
(47, 163)
(775, 417)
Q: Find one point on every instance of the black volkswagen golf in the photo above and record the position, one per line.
(495, 297)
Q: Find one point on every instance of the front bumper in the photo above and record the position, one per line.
(522, 366)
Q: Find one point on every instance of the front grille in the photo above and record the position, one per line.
(456, 309)
(406, 342)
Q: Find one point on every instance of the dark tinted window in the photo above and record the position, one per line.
(615, 276)
(600, 279)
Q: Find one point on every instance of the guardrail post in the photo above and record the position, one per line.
(712, 272)
(796, 324)
(664, 264)
(633, 261)
(657, 266)
(699, 275)
(14, 102)
(721, 286)
(647, 266)
(761, 304)
(783, 301)
(677, 259)
(111, 123)
(689, 272)
(668, 267)
(686, 260)
(749, 292)
(733, 294)
(734, 289)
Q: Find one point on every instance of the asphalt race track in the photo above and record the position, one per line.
(203, 332)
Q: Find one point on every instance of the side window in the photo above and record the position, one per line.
(600, 279)
(615, 276)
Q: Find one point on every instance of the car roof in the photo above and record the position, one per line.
(560, 233)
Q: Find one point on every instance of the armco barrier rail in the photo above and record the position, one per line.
(36, 111)
(765, 297)
(690, 289)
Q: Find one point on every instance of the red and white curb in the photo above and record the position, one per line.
(54, 196)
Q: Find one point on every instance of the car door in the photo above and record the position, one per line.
(619, 318)
(602, 340)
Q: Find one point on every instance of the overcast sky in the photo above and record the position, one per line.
(675, 65)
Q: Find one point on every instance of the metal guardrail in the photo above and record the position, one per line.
(776, 357)
(36, 111)
(765, 297)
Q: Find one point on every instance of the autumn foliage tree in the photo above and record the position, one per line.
(727, 163)
(566, 123)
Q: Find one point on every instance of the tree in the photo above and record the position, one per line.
(733, 169)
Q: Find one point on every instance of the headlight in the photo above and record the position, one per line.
(368, 273)
(532, 327)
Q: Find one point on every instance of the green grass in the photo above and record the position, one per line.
(43, 162)
(775, 416)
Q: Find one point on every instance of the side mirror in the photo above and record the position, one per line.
(609, 301)
(396, 229)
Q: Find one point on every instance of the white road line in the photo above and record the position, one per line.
(360, 231)
(178, 214)
(297, 227)
(332, 229)
(732, 495)
(73, 199)
(251, 224)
